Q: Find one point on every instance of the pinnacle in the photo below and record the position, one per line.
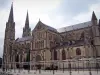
(27, 20)
(93, 16)
(11, 14)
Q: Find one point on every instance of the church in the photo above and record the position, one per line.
(45, 44)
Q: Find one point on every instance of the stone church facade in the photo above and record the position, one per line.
(47, 44)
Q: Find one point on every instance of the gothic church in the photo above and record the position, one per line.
(45, 43)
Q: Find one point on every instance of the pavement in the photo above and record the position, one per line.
(48, 72)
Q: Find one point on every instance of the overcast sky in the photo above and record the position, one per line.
(55, 13)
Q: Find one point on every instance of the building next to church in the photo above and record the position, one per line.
(45, 43)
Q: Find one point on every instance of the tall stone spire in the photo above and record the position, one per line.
(26, 29)
(10, 25)
(11, 19)
(27, 21)
(93, 16)
(9, 39)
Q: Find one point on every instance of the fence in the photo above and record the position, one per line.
(84, 64)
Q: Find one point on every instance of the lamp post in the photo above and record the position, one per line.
(89, 67)
(28, 60)
(83, 64)
(69, 64)
(63, 66)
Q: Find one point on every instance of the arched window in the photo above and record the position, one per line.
(17, 58)
(92, 42)
(38, 58)
(21, 57)
(82, 36)
(55, 55)
(63, 55)
(78, 51)
(28, 57)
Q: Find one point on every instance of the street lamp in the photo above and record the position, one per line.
(69, 62)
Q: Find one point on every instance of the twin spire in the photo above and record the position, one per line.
(11, 17)
(26, 29)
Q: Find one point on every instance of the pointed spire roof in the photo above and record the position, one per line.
(11, 19)
(93, 16)
(27, 21)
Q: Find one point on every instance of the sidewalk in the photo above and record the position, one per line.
(43, 72)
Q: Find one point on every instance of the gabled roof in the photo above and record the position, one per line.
(46, 26)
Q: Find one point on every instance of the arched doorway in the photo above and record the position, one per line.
(63, 55)
(38, 58)
(78, 51)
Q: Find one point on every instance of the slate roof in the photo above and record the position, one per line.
(28, 38)
(51, 28)
(74, 27)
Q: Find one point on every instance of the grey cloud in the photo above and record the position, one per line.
(71, 8)
(75, 7)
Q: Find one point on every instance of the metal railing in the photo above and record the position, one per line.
(84, 64)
